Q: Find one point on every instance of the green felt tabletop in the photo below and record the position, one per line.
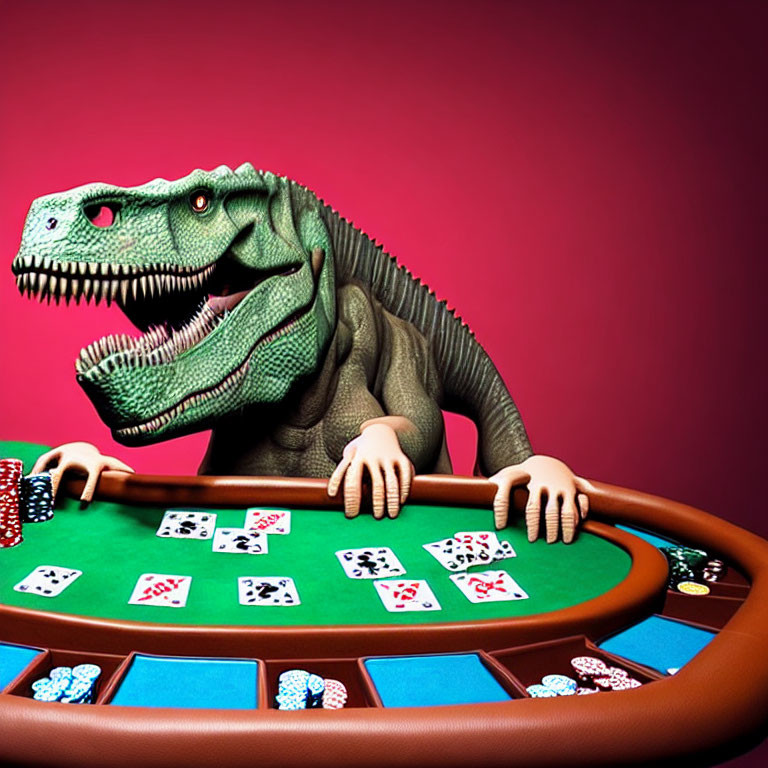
(113, 544)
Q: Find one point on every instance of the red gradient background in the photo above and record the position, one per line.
(584, 181)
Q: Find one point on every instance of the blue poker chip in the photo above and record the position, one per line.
(87, 671)
(541, 692)
(561, 684)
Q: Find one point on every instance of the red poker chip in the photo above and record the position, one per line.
(587, 667)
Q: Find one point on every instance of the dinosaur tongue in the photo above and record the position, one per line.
(222, 304)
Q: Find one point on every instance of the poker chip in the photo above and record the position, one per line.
(693, 588)
(10, 510)
(588, 667)
(541, 692)
(299, 689)
(586, 691)
(36, 495)
(315, 690)
(334, 695)
(68, 685)
(562, 685)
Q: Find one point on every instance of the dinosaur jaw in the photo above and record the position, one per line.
(176, 376)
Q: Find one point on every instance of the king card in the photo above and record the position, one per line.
(161, 589)
(240, 541)
(48, 580)
(399, 596)
(488, 586)
(370, 563)
(276, 521)
(267, 590)
(180, 524)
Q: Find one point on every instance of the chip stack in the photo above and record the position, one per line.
(37, 498)
(691, 566)
(292, 689)
(596, 676)
(299, 689)
(10, 515)
(553, 685)
(335, 694)
(69, 685)
(315, 690)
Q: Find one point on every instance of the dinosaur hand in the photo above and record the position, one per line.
(566, 496)
(377, 449)
(82, 457)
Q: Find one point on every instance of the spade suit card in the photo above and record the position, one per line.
(370, 563)
(267, 590)
(180, 524)
(240, 541)
(48, 580)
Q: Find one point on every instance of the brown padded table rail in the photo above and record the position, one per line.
(716, 700)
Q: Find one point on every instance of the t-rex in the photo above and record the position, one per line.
(273, 321)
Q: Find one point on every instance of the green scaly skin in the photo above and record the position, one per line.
(267, 318)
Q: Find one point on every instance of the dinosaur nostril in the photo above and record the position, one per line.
(102, 215)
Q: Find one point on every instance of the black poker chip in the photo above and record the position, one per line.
(37, 498)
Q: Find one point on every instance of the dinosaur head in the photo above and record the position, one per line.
(227, 274)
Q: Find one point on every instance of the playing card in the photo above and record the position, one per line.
(48, 580)
(180, 524)
(504, 551)
(450, 554)
(481, 544)
(488, 586)
(161, 589)
(240, 541)
(370, 563)
(399, 596)
(267, 590)
(268, 520)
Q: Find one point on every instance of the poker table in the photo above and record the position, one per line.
(581, 599)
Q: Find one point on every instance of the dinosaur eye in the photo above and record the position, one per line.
(199, 201)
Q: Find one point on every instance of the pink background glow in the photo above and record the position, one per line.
(585, 182)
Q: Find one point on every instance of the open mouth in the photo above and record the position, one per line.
(175, 307)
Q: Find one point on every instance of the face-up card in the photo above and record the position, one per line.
(481, 544)
(267, 590)
(488, 586)
(240, 541)
(504, 551)
(268, 520)
(161, 589)
(370, 563)
(48, 580)
(178, 524)
(450, 554)
(399, 596)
